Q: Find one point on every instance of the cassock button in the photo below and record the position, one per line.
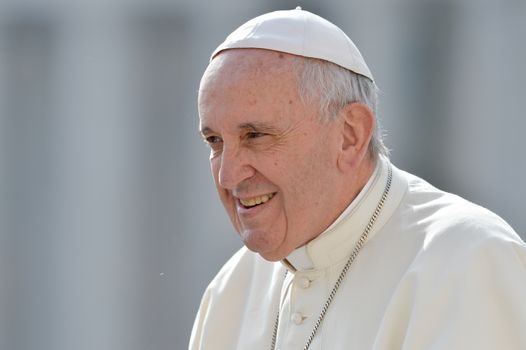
(297, 318)
(304, 282)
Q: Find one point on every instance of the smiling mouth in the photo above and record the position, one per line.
(255, 201)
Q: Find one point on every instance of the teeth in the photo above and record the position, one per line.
(256, 200)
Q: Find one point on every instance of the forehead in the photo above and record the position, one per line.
(248, 85)
(239, 62)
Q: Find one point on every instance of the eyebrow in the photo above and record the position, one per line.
(253, 126)
(206, 130)
(256, 126)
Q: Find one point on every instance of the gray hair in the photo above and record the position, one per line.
(333, 87)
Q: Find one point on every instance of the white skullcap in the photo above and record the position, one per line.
(300, 33)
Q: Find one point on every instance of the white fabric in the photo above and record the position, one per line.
(300, 33)
(437, 272)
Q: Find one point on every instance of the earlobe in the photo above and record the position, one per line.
(356, 131)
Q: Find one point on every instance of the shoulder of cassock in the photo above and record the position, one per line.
(465, 286)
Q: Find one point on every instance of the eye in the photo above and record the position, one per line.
(212, 140)
(255, 135)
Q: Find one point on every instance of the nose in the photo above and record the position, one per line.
(233, 168)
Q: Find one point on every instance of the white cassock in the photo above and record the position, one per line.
(437, 272)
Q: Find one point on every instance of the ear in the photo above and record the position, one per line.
(358, 123)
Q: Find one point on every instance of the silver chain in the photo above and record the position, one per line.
(354, 254)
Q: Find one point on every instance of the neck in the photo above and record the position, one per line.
(355, 182)
(351, 186)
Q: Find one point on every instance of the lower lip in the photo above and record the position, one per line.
(243, 211)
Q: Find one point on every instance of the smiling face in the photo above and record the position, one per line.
(274, 163)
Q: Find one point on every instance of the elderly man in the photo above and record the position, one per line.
(343, 250)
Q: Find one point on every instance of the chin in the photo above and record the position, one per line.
(259, 242)
(272, 256)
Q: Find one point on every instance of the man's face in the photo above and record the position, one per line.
(273, 161)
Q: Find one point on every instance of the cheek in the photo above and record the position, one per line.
(294, 179)
(307, 176)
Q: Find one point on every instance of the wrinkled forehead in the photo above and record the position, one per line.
(247, 85)
(255, 75)
(233, 64)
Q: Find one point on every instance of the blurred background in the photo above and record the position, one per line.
(110, 227)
